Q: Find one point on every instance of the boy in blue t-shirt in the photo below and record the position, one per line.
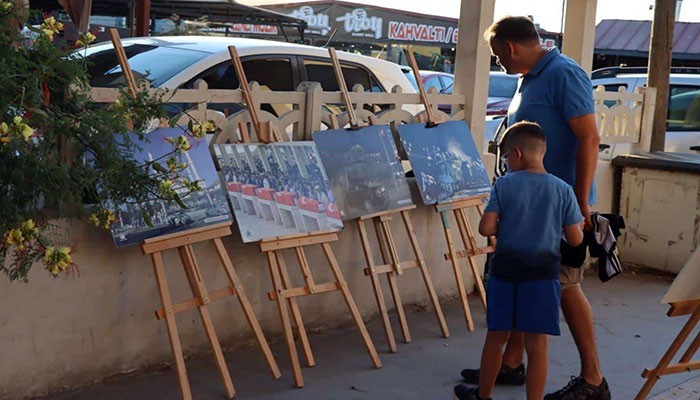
(528, 210)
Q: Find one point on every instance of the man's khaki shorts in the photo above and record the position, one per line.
(570, 277)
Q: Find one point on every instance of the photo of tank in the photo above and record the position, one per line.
(364, 170)
(277, 189)
(445, 161)
(207, 206)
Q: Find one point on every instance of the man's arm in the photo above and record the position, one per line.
(586, 131)
(488, 226)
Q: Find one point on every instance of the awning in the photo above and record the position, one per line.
(222, 11)
(631, 39)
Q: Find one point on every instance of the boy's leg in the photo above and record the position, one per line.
(536, 347)
(491, 361)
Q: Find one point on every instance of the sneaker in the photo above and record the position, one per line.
(506, 376)
(579, 389)
(463, 392)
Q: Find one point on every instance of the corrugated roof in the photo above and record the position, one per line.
(631, 38)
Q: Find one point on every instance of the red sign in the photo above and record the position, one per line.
(255, 29)
(265, 194)
(308, 204)
(332, 211)
(234, 186)
(285, 198)
(410, 31)
(249, 189)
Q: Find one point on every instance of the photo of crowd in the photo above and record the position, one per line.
(445, 161)
(277, 189)
(364, 170)
(207, 206)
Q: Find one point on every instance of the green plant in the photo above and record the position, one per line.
(60, 153)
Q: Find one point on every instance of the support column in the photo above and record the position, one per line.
(473, 63)
(660, 55)
(579, 32)
(143, 17)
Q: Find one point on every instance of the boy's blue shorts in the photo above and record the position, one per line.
(529, 306)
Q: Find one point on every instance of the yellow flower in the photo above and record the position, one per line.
(182, 144)
(94, 219)
(6, 6)
(57, 260)
(29, 229)
(27, 131)
(209, 126)
(172, 164)
(17, 120)
(85, 39)
(197, 131)
(4, 129)
(15, 237)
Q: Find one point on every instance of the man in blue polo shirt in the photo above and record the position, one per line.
(556, 93)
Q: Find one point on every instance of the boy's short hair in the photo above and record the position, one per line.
(513, 29)
(525, 135)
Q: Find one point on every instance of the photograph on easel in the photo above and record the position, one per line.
(277, 189)
(364, 170)
(206, 206)
(445, 161)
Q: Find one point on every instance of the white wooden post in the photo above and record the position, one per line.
(579, 32)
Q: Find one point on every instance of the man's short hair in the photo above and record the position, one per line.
(525, 135)
(514, 29)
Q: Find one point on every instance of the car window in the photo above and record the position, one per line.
(502, 86)
(431, 82)
(157, 64)
(272, 73)
(447, 82)
(411, 79)
(683, 108)
(322, 72)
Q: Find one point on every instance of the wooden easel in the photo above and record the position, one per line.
(685, 364)
(459, 208)
(392, 265)
(183, 241)
(285, 293)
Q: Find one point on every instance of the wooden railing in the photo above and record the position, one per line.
(628, 119)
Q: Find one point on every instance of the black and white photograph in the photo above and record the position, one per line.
(277, 189)
(364, 169)
(445, 161)
(207, 206)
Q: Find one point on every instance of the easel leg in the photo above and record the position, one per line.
(379, 296)
(284, 316)
(444, 217)
(424, 270)
(199, 290)
(351, 304)
(653, 375)
(247, 307)
(296, 313)
(384, 238)
(469, 241)
(175, 345)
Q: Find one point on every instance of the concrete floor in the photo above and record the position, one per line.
(632, 329)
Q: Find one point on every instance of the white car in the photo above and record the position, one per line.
(683, 118)
(178, 61)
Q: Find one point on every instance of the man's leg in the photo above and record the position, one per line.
(515, 350)
(579, 317)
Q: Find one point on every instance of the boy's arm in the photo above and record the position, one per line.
(573, 234)
(488, 226)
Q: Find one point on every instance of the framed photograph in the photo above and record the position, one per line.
(364, 169)
(445, 161)
(207, 206)
(277, 189)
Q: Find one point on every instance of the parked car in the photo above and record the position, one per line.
(178, 61)
(501, 88)
(683, 118)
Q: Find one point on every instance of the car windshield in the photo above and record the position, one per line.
(157, 64)
(502, 86)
